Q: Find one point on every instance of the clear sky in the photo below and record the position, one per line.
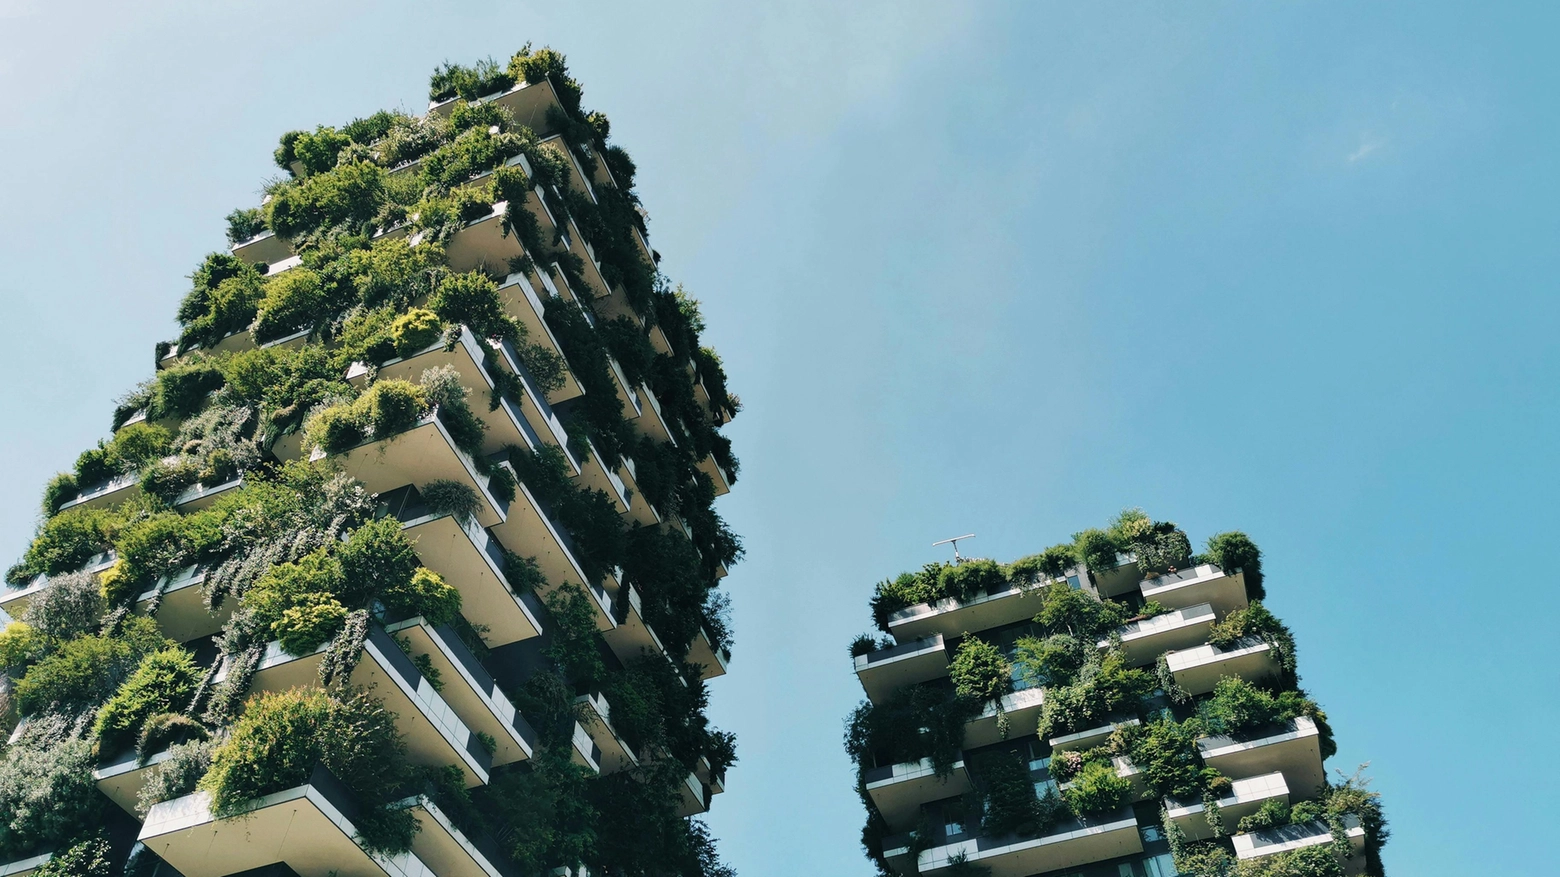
(1288, 268)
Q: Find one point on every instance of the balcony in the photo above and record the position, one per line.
(1292, 748)
(598, 476)
(1205, 583)
(652, 421)
(505, 424)
(421, 454)
(1256, 844)
(717, 474)
(122, 778)
(711, 661)
(1144, 641)
(1068, 844)
(695, 796)
(483, 244)
(1119, 579)
(1198, 669)
(521, 302)
(640, 511)
(309, 828)
(469, 559)
(264, 247)
(106, 493)
(527, 103)
(14, 600)
(446, 850)
(631, 636)
(951, 617)
(180, 606)
(1090, 737)
(613, 753)
(545, 426)
(885, 671)
(1023, 715)
(1243, 798)
(899, 790)
(534, 532)
(435, 734)
(198, 496)
(469, 689)
(25, 865)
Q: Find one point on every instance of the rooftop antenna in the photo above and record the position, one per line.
(955, 542)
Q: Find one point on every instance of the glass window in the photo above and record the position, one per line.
(1151, 833)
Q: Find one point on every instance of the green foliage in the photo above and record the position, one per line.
(85, 671)
(65, 542)
(225, 293)
(546, 63)
(294, 299)
(61, 489)
(343, 197)
(980, 671)
(1097, 789)
(1234, 550)
(1272, 814)
(426, 594)
(446, 497)
(1096, 549)
(282, 736)
(1105, 686)
(1166, 752)
(168, 729)
(1008, 801)
(471, 298)
(1317, 861)
(1052, 660)
(163, 682)
(1255, 621)
(523, 573)
(313, 578)
(915, 723)
(386, 408)
(88, 858)
(244, 223)
(67, 607)
(414, 330)
(378, 559)
(478, 80)
(1049, 565)
(47, 794)
(177, 775)
(316, 151)
(310, 621)
(19, 644)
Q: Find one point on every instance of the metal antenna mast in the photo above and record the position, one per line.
(955, 542)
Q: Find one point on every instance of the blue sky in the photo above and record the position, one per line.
(1287, 268)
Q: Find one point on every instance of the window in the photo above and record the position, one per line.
(1151, 833)
(953, 819)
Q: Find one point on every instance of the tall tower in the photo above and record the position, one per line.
(1114, 706)
(405, 560)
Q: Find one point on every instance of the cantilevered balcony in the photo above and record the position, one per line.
(615, 754)
(652, 421)
(310, 828)
(424, 453)
(1068, 844)
(1257, 844)
(468, 688)
(435, 734)
(1198, 669)
(951, 617)
(546, 428)
(885, 671)
(585, 752)
(695, 796)
(1292, 748)
(1243, 798)
(266, 247)
(527, 104)
(631, 636)
(1119, 579)
(1204, 583)
(122, 777)
(522, 302)
(536, 534)
(1089, 737)
(640, 511)
(483, 244)
(1021, 710)
(106, 493)
(470, 560)
(597, 475)
(718, 475)
(899, 790)
(23, 866)
(14, 600)
(179, 605)
(1144, 641)
(711, 661)
(505, 424)
(448, 851)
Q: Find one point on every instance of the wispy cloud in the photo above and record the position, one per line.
(1368, 143)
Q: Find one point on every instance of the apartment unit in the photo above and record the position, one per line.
(1115, 706)
(405, 560)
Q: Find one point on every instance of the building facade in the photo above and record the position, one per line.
(1115, 706)
(405, 561)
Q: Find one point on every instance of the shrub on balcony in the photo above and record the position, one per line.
(1234, 550)
(426, 594)
(286, 585)
(85, 671)
(168, 729)
(222, 300)
(1166, 752)
(178, 775)
(979, 671)
(482, 78)
(47, 795)
(61, 489)
(414, 330)
(311, 620)
(385, 409)
(446, 497)
(1255, 621)
(1097, 789)
(19, 646)
(65, 542)
(244, 223)
(86, 858)
(164, 681)
(68, 606)
(295, 299)
(1049, 565)
(377, 559)
(345, 196)
(1104, 687)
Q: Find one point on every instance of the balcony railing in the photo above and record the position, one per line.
(1257, 844)
(1204, 583)
(899, 790)
(1244, 797)
(1068, 844)
(885, 671)
(1021, 710)
(952, 617)
(1144, 641)
(1292, 748)
(1199, 669)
